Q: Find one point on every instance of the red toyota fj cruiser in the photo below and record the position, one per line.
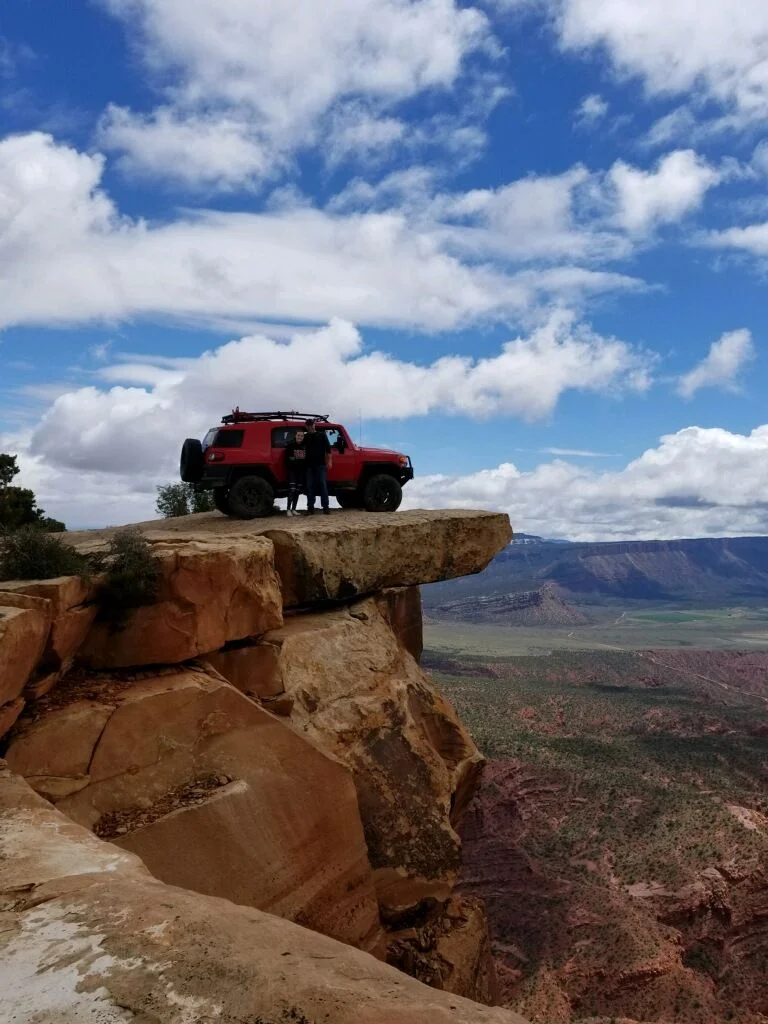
(243, 463)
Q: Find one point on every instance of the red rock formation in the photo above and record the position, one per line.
(285, 836)
(89, 934)
(339, 806)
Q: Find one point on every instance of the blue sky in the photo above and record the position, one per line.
(526, 241)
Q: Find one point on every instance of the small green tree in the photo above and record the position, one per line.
(9, 467)
(201, 501)
(18, 505)
(30, 553)
(182, 500)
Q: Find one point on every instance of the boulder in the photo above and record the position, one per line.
(450, 951)
(70, 601)
(219, 843)
(360, 696)
(254, 670)
(212, 590)
(23, 633)
(132, 759)
(89, 934)
(59, 744)
(347, 554)
(464, 947)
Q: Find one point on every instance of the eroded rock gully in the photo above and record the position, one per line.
(263, 734)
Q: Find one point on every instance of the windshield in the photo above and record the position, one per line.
(208, 439)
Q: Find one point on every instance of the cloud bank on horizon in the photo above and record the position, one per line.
(529, 228)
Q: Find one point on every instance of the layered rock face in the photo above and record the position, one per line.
(89, 934)
(263, 733)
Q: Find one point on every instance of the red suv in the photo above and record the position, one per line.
(243, 463)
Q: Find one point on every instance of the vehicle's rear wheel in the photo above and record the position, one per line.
(221, 500)
(382, 493)
(251, 497)
(349, 499)
(191, 463)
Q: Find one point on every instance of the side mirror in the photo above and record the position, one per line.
(341, 445)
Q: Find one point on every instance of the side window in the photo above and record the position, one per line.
(336, 439)
(229, 439)
(282, 436)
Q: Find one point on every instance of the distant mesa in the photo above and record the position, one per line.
(715, 570)
(541, 607)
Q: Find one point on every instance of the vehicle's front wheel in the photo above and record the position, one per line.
(221, 500)
(349, 499)
(382, 493)
(251, 497)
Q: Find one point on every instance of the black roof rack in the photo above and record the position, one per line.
(236, 416)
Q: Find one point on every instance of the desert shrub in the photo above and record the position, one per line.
(182, 500)
(131, 577)
(30, 553)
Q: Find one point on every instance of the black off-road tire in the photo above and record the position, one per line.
(382, 493)
(221, 500)
(191, 463)
(251, 497)
(349, 499)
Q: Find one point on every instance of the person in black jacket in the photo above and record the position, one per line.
(296, 465)
(318, 463)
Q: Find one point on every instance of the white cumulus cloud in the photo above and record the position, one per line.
(84, 428)
(710, 48)
(673, 189)
(721, 366)
(751, 239)
(259, 79)
(696, 482)
(68, 255)
(120, 435)
(592, 109)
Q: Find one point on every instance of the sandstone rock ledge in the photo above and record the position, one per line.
(263, 732)
(89, 934)
(346, 554)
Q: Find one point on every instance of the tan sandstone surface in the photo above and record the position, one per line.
(88, 934)
(263, 733)
(359, 695)
(286, 837)
(348, 553)
(211, 590)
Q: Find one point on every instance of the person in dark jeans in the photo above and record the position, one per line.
(318, 464)
(296, 466)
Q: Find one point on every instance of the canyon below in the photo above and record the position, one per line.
(620, 835)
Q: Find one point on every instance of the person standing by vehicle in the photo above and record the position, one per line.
(318, 463)
(296, 466)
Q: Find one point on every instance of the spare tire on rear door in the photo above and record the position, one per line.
(191, 463)
(251, 497)
(382, 493)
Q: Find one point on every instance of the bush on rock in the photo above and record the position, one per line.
(30, 553)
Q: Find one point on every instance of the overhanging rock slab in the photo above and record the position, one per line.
(348, 553)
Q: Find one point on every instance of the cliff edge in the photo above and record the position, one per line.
(262, 733)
